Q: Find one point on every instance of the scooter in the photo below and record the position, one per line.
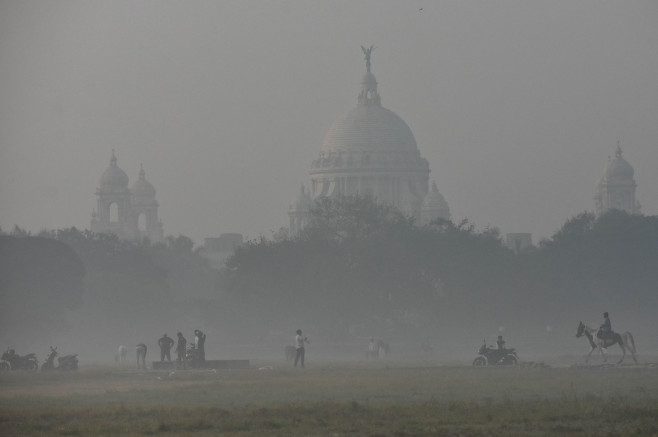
(27, 362)
(65, 363)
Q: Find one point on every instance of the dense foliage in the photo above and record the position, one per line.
(122, 290)
(359, 269)
(362, 267)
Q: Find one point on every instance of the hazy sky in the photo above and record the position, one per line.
(515, 104)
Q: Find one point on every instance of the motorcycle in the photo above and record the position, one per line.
(27, 362)
(65, 363)
(492, 356)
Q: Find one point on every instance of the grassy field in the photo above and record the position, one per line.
(333, 399)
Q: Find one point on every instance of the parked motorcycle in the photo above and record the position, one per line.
(65, 363)
(491, 356)
(27, 362)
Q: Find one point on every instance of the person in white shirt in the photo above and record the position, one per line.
(299, 347)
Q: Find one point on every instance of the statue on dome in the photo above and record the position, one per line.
(367, 52)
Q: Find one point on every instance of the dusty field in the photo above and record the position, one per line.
(329, 399)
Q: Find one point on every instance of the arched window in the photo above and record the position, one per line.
(114, 212)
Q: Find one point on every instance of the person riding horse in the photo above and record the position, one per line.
(605, 330)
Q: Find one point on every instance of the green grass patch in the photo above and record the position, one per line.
(330, 400)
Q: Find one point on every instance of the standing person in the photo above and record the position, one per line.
(165, 343)
(200, 340)
(181, 346)
(299, 347)
(141, 356)
(373, 349)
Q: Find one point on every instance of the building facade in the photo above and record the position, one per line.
(129, 213)
(371, 151)
(616, 189)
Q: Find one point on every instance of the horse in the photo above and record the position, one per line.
(122, 353)
(625, 341)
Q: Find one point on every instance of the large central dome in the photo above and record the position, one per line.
(369, 128)
(371, 151)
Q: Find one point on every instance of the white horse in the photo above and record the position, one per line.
(625, 341)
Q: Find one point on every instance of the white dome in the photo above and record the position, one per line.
(369, 128)
(142, 187)
(113, 178)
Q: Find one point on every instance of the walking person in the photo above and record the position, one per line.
(299, 347)
(141, 356)
(165, 343)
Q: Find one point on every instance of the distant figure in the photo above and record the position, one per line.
(606, 327)
(290, 352)
(181, 348)
(373, 349)
(200, 340)
(501, 343)
(141, 356)
(165, 343)
(122, 353)
(384, 348)
(299, 347)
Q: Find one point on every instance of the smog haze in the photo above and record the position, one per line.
(516, 105)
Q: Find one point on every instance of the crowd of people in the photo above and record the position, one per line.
(194, 351)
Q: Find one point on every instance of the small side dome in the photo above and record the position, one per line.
(434, 205)
(618, 167)
(142, 187)
(113, 178)
(434, 199)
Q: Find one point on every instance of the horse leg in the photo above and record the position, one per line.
(589, 354)
(600, 346)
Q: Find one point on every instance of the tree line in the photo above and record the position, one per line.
(358, 268)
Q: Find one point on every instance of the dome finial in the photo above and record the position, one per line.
(368, 95)
(618, 151)
(113, 159)
(142, 174)
(367, 52)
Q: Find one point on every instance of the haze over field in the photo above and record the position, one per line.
(516, 105)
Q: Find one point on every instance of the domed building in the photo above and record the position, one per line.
(616, 189)
(128, 213)
(372, 151)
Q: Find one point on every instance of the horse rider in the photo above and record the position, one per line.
(606, 327)
(166, 343)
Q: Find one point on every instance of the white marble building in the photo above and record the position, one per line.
(371, 151)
